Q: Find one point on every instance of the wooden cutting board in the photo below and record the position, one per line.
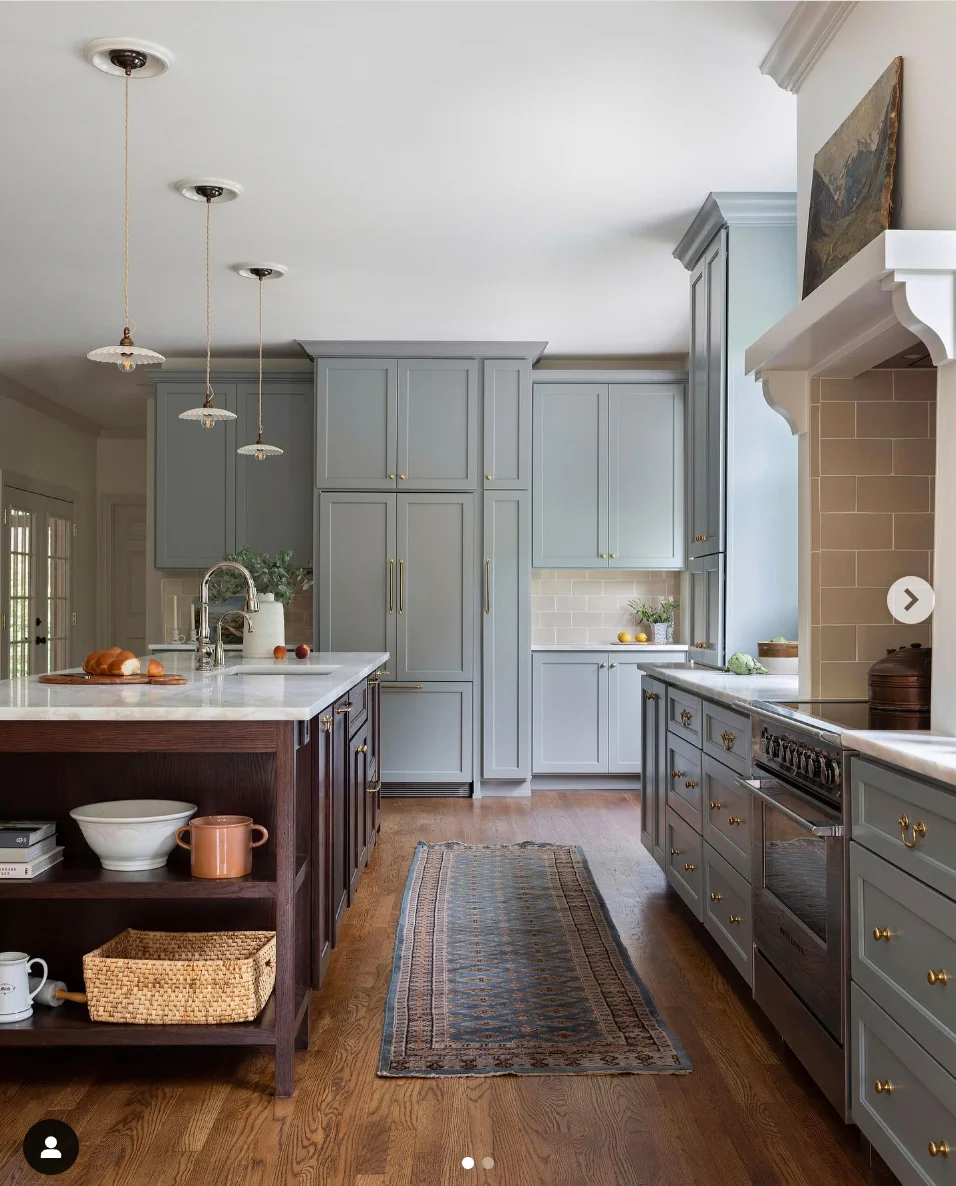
(87, 680)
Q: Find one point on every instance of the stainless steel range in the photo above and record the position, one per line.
(799, 881)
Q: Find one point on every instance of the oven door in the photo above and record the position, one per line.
(798, 872)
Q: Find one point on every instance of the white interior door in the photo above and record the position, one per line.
(37, 583)
(128, 577)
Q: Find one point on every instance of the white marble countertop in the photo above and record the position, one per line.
(646, 648)
(219, 695)
(724, 685)
(929, 754)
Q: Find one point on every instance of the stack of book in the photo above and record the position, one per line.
(28, 848)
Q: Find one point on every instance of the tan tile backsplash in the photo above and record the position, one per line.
(872, 442)
(184, 586)
(589, 606)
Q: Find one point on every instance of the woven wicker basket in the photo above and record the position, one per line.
(175, 978)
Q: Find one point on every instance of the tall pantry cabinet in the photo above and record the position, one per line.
(423, 549)
(741, 469)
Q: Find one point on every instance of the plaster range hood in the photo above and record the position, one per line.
(900, 285)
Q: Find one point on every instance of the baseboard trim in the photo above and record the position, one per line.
(503, 790)
(583, 782)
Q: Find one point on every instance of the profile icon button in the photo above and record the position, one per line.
(50, 1147)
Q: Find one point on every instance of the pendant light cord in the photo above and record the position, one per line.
(209, 391)
(260, 361)
(126, 204)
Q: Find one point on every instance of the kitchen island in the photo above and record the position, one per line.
(294, 744)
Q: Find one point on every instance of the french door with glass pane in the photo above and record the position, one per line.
(37, 583)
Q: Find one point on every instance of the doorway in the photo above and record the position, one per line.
(121, 620)
(37, 583)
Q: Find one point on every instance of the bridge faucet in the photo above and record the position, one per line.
(208, 656)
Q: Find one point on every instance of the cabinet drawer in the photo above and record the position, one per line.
(727, 736)
(683, 715)
(726, 815)
(682, 780)
(727, 912)
(918, 1112)
(358, 698)
(683, 857)
(909, 822)
(896, 971)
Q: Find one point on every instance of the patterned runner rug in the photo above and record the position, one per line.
(507, 963)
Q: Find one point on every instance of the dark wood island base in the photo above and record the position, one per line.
(314, 785)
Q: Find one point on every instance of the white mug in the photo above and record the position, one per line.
(16, 999)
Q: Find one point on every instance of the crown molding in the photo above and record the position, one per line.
(801, 42)
(733, 209)
(359, 349)
(47, 407)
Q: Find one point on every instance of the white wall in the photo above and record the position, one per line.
(121, 466)
(875, 33)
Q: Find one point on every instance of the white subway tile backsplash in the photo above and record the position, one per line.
(590, 606)
(553, 588)
(571, 635)
(572, 603)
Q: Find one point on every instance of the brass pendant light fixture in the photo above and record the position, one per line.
(261, 272)
(124, 60)
(208, 192)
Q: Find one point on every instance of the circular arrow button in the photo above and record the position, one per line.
(911, 600)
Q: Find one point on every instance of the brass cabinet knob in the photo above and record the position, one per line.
(937, 977)
(613, 665)
(734, 819)
(488, 478)
(690, 783)
(715, 897)
(715, 806)
(650, 695)
(614, 555)
(685, 717)
(361, 749)
(677, 774)
(391, 477)
(604, 665)
(401, 477)
(603, 555)
(735, 918)
(881, 933)
(675, 852)
(940, 1150)
(690, 868)
(882, 1085)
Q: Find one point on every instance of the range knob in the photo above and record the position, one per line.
(765, 740)
(775, 747)
(837, 773)
(831, 771)
(807, 766)
(816, 770)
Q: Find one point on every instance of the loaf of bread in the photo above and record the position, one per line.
(97, 662)
(154, 667)
(125, 663)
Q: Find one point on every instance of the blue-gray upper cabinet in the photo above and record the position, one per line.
(195, 478)
(506, 635)
(506, 461)
(570, 701)
(274, 497)
(437, 424)
(707, 398)
(356, 424)
(435, 595)
(569, 505)
(645, 476)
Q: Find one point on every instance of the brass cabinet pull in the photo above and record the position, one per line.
(675, 852)
(715, 806)
(374, 789)
(487, 585)
(940, 1150)
(735, 820)
(391, 477)
(728, 739)
(715, 897)
(678, 773)
(919, 830)
(690, 784)
(700, 645)
(401, 477)
(488, 477)
(650, 695)
(690, 868)
(603, 555)
(327, 723)
(603, 665)
(685, 717)
(699, 538)
(937, 977)
(404, 687)
(613, 665)
(401, 586)
(735, 918)
(882, 1085)
(613, 555)
(361, 749)
(881, 933)
(391, 583)
(346, 707)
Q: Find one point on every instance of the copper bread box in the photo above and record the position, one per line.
(899, 688)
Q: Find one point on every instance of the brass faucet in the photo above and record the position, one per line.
(207, 655)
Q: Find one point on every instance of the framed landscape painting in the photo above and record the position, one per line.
(851, 194)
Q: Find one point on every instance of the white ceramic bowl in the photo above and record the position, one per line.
(133, 833)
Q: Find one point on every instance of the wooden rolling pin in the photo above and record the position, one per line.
(54, 993)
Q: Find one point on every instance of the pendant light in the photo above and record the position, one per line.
(261, 272)
(124, 60)
(208, 191)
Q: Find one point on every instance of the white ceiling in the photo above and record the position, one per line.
(426, 171)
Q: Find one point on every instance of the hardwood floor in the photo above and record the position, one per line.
(747, 1113)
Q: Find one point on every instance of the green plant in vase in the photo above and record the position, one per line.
(276, 575)
(660, 618)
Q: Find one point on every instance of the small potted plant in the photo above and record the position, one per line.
(660, 619)
(277, 580)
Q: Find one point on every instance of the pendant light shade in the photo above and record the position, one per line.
(259, 450)
(208, 415)
(125, 354)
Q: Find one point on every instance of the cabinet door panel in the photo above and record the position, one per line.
(356, 422)
(624, 714)
(358, 794)
(341, 793)
(274, 497)
(570, 709)
(438, 424)
(323, 777)
(645, 476)
(697, 456)
(356, 593)
(569, 472)
(707, 609)
(436, 587)
(649, 711)
(427, 734)
(195, 476)
(506, 636)
(715, 260)
(507, 413)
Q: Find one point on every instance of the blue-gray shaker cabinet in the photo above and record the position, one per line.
(356, 423)
(506, 463)
(624, 713)
(195, 478)
(506, 636)
(437, 424)
(427, 733)
(570, 699)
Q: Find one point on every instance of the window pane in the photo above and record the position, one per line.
(21, 581)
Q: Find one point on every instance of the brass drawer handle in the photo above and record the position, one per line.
(882, 1085)
(699, 539)
(919, 830)
(361, 749)
(881, 933)
(374, 790)
(675, 852)
(327, 723)
(650, 695)
(715, 806)
(940, 1150)
(346, 707)
(401, 582)
(404, 687)
(487, 585)
(728, 739)
(700, 645)
(685, 717)
(735, 918)
(690, 868)
(690, 783)
(678, 773)
(735, 820)
(937, 977)
(715, 897)
(391, 579)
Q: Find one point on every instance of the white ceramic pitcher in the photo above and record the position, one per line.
(269, 631)
(16, 999)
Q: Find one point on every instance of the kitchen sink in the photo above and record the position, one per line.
(284, 669)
